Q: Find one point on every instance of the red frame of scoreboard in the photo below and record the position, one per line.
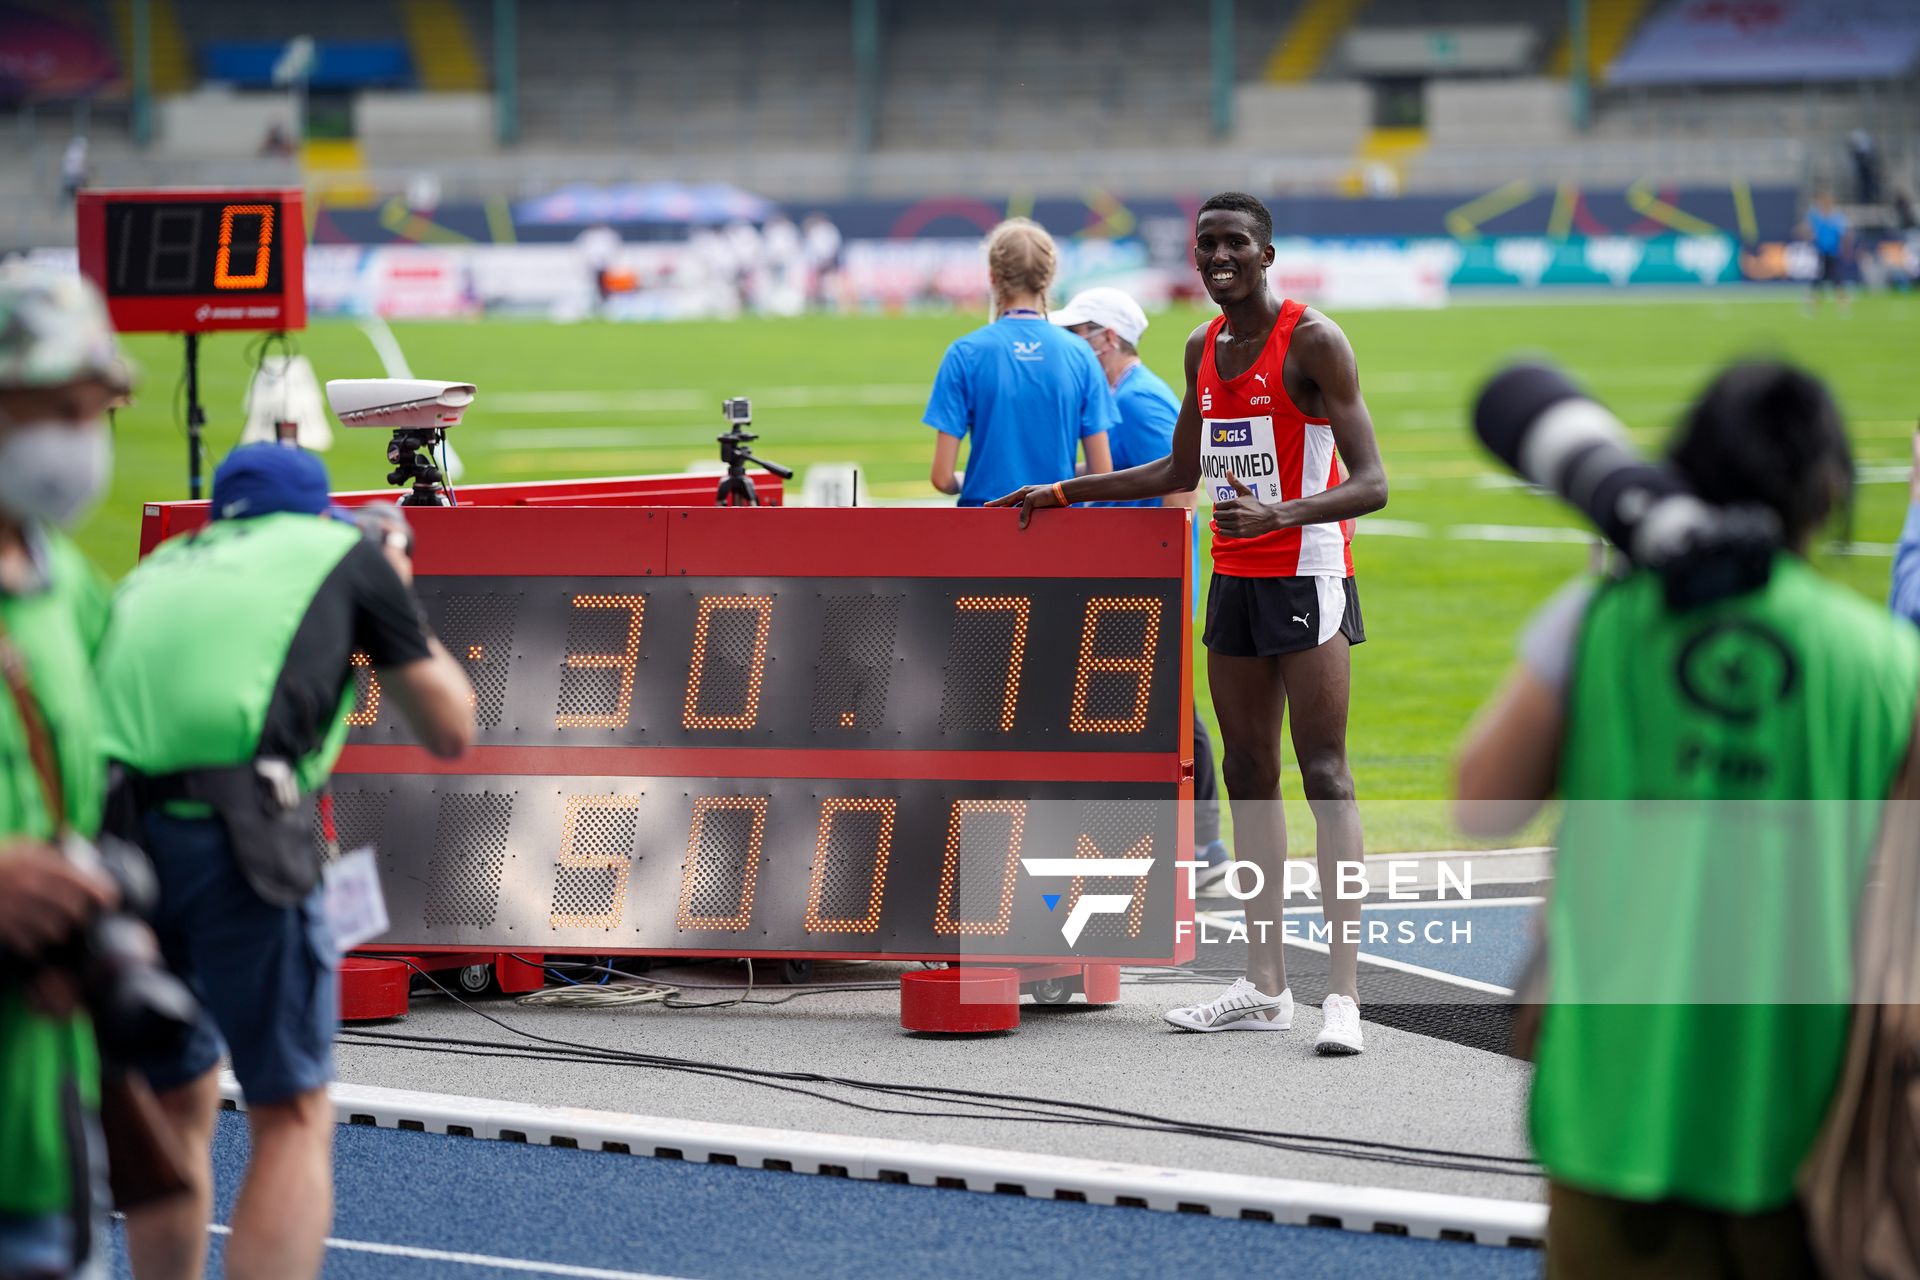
(199, 312)
(507, 530)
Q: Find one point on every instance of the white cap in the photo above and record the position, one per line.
(1108, 308)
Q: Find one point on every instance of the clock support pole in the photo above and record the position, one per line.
(196, 417)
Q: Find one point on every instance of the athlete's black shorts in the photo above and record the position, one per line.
(1829, 270)
(1261, 617)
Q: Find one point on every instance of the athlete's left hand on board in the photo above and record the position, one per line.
(1029, 498)
(1243, 515)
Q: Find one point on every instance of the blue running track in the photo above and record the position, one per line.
(539, 1211)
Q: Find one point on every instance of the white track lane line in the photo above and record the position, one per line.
(386, 346)
(474, 1259)
(1238, 918)
(686, 399)
(1401, 966)
(1289, 1202)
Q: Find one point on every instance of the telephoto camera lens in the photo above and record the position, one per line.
(1535, 420)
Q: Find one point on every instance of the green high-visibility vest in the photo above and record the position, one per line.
(200, 634)
(57, 631)
(1724, 771)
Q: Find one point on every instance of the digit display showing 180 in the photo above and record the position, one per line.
(194, 247)
(196, 260)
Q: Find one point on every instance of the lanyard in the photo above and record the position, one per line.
(46, 762)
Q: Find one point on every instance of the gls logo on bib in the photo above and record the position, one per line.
(1232, 435)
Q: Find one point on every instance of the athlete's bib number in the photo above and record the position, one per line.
(1243, 446)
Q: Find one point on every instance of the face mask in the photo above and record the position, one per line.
(54, 473)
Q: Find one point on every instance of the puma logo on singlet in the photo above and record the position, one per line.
(1297, 618)
(1260, 378)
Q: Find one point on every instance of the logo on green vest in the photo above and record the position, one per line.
(1736, 669)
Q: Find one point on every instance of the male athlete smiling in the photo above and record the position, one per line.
(1282, 611)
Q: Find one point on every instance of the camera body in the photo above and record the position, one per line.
(1532, 418)
(419, 412)
(418, 404)
(137, 1007)
(381, 523)
(737, 410)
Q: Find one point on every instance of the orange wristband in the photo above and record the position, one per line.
(1060, 494)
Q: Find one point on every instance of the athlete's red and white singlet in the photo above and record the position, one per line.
(1251, 427)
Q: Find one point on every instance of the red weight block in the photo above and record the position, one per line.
(372, 989)
(1100, 983)
(959, 1000)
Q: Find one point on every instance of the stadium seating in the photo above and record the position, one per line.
(687, 78)
(990, 97)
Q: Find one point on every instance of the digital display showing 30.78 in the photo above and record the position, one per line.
(913, 664)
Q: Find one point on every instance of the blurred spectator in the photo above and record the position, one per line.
(785, 259)
(73, 167)
(1905, 597)
(823, 257)
(1685, 1057)
(1832, 237)
(1866, 166)
(1112, 323)
(1025, 392)
(276, 145)
(1906, 223)
(600, 248)
(749, 263)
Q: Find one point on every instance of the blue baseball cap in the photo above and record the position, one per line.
(267, 478)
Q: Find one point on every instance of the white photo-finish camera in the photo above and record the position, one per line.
(419, 412)
(399, 404)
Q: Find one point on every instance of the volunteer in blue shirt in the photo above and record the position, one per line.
(1111, 322)
(1832, 236)
(1025, 392)
(1905, 599)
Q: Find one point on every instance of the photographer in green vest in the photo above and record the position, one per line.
(59, 372)
(1725, 770)
(226, 681)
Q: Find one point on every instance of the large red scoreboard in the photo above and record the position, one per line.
(789, 733)
(193, 260)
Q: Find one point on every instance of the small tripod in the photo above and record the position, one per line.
(736, 451)
(411, 452)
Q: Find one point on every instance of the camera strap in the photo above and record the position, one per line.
(40, 748)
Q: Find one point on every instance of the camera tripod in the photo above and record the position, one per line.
(736, 451)
(411, 453)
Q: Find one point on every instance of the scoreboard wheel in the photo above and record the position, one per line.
(793, 972)
(476, 980)
(1054, 990)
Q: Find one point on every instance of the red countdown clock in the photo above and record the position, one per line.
(193, 260)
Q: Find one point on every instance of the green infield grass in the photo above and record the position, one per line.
(1444, 589)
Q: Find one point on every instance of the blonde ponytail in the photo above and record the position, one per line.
(1021, 261)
